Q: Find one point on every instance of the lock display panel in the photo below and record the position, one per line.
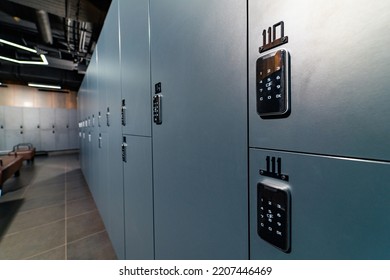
(272, 87)
(273, 215)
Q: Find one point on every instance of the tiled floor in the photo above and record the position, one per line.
(48, 213)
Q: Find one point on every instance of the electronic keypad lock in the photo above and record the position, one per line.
(272, 85)
(274, 214)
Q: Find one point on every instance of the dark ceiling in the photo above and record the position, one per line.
(64, 31)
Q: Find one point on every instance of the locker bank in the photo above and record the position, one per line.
(232, 130)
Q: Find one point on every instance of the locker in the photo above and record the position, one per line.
(138, 197)
(47, 118)
(13, 137)
(135, 67)
(33, 136)
(198, 54)
(31, 118)
(338, 208)
(13, 118)
(337, 107)
(109, 60)
(73, 139)
(2, 129)
(61, 118)
(61, 139)
(102, 187)
(48, 138)
(72, 119)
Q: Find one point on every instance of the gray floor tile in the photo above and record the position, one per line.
(84, 225)
(94, 247)
(80, 206)
(54, 254)
(43, 201)
(77, 193)
(37, 217)
(42, 189)
(31, 242)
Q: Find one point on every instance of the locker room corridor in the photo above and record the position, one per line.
(49, 213)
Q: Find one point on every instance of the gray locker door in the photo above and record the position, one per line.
(13, 117)
(135, 66)
(109, 59)
(2, 129)
(138, 194)
(73, 139)
(61, 139)
(31, 118)
(337, 106)
(61, 118)
(2, 119)
(47, 118)
(102, 188)
(339, 207)
(2, 140)
(48, 138)
(198, 53)
(72, 119)
(33, 136)
(13, 137)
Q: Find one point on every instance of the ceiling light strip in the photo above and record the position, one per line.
(42, 56)
(43, 86)
(17, 46)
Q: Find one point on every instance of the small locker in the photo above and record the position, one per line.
(337, 85)
(335, 208)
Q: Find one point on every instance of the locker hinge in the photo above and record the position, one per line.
(271, 169)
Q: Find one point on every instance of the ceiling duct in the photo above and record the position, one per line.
(43, 24)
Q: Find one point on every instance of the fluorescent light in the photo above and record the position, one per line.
(43, 86)
(42, 56)
(17, 46)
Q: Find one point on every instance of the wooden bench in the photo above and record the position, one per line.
(25, 150)
(9, 165)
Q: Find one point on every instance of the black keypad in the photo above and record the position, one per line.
(271, 84)
(273, 217)
(157, 109)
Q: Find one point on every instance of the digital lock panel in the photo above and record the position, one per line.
(273, 215)
(272, 85)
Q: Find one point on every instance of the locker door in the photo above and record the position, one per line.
(109, 60)
(135, 67)
(47, 118)
(339, 207)
(13, 137)
(138, 196)
(48, 139)
(2, 129)
(13, 117)
(72, 119)
(199, 151)
(30, 118)
(33, 136)
(337, 107)
(61, 118)
(102, 187)
(47, 129)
